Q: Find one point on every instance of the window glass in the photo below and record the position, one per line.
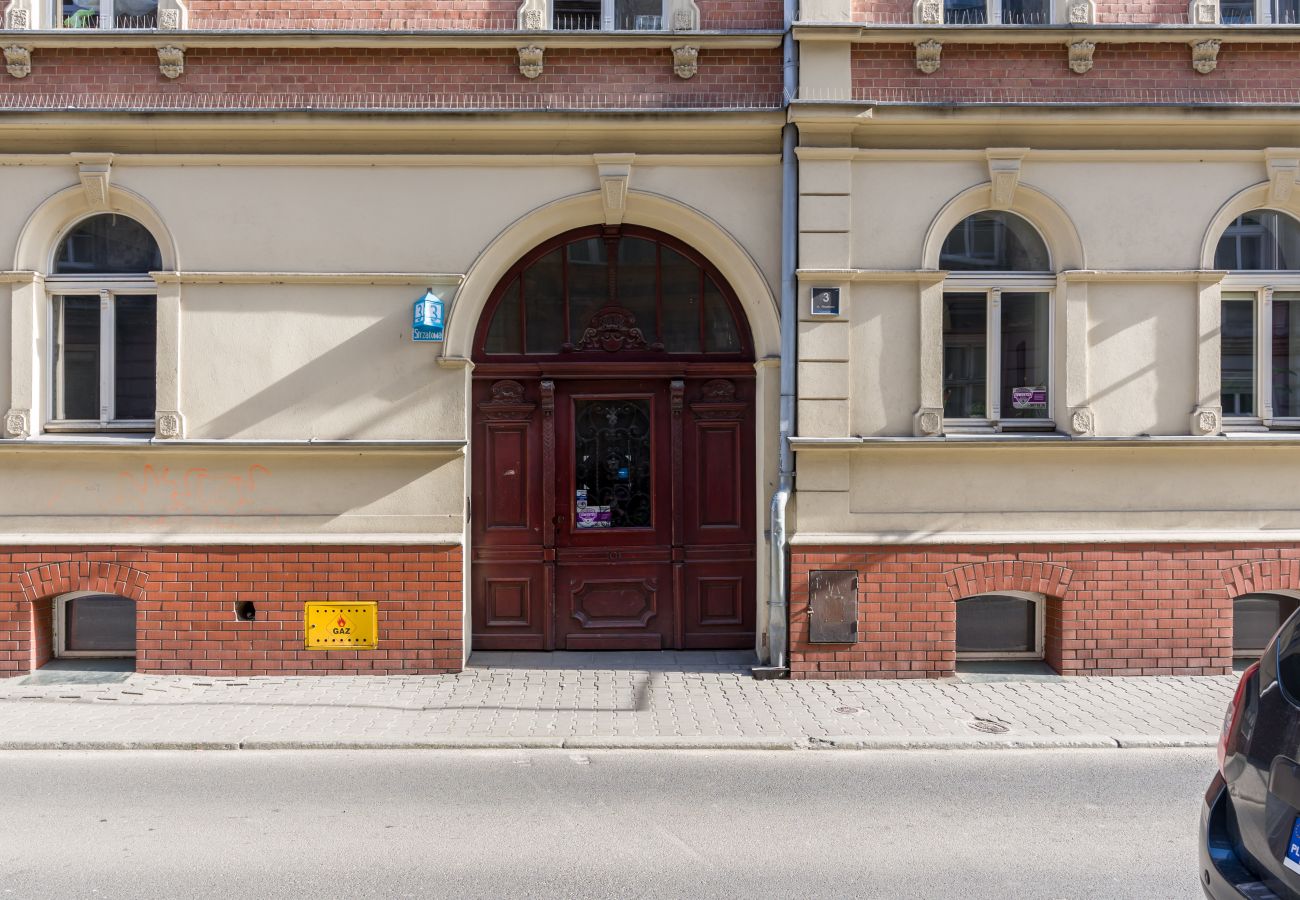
(638, 15)
(1286, 354)
(638, 283)
(996, 623)
(100, 623)
(588, 279)
(1255, 617)
(1024, 356)
(135, 13)
(1260, 240)
(612, 464)
(1286, 12)
(577, 15)
(1237, 349)
(1025, 12)
(964, 12)
(965, 355)
(76, 365)
(543, 285)
(681, 286)
(135, 357)
(720, 334)
(1237, 12)
(994, 241)
(107, 244)
(504, 336)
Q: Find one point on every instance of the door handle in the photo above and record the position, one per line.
(559, 519)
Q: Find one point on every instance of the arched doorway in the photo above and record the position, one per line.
(613, 462)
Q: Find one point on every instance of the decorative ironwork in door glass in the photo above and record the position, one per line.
(612, 464)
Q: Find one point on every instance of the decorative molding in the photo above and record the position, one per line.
(1207, 420)
(507, 403)
(1081, 56)
(18, 61)
(18, 16)
(169, 425)
(927, 422)
(532, 15)
(685, 16)
(718, 401)
(686, 60)
(1004, 174)
(531, 61)
(173, 15)
(1205, 55)
(171, 61)
(928, 56)
(1203, 12)
(1081, 12)
(612, 328)
(96, 173)
(1082, 421)
(1282, 165)
(928, 12)
(614, 171)
(17, 423)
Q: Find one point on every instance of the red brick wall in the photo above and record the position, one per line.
(459, 77)
(185, 605)
(1165, 12)
(1032, 73)
(716, 15)
(1130, 609)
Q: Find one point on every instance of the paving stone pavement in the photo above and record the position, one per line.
(677, 700)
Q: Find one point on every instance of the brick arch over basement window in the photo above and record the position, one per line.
(1008, 575)
(1263, 577)
(44, 582)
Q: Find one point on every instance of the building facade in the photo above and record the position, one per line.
(1041, 321)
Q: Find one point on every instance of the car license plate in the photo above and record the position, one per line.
(1292, 860)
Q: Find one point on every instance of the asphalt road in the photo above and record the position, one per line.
(962, 824)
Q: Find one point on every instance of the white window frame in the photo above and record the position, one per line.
(107, 15)
(993, 286)
(1263, 285)
(607, 17)
(1040, 628)
(60, 286)
(61, 650)
(1265, 14)
(993, 15)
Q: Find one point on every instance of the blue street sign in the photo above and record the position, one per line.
(426, 323)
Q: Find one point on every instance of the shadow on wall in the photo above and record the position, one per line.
(327, 392)
(1154, 398)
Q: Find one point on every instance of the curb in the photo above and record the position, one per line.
(650, 742)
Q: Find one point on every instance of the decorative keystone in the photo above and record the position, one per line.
(95, 171)
(1205, 55)
(614, 171)
(531, 61)
(1082, 421)
(927, 422)
(1081, 57)
(1203, 12)
(928, 56)
(169, 425)
(1283, 166)
(1206, 420)
(928, 12)
(1081, 12)
(18, 61)
(16, 423)
(171, 61)
(1004, 174)
(686, 61)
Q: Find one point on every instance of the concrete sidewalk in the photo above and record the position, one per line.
(557, 701)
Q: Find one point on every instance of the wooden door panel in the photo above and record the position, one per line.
(718, 470)
(623, 606)
(718, 460)
(509, 606)
(719, 605)
(507, 489)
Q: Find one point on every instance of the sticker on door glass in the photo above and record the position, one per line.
(590, 516)
(1029, 398)
(1292, 860)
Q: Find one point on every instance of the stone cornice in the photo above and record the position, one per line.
(1049, 34)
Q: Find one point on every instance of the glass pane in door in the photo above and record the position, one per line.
(612, 464)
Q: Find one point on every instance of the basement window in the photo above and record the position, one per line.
(1008, 625)
(1255, 618)
(87, 624)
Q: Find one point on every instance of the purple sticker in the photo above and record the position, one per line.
(1029, 398)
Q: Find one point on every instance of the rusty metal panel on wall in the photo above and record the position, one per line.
(833, 606)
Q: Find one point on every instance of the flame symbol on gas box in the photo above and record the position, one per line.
(343, 623)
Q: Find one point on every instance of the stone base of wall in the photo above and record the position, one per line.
(185, 605)
(1112, 609)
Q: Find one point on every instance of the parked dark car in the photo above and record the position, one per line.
(1250, 825)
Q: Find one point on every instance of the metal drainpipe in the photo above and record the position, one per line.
(778, 607)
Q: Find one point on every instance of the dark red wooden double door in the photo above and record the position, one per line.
(613, 512)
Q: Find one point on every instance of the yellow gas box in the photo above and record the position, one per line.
(342, 626)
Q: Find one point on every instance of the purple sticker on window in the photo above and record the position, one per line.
(1029, 398)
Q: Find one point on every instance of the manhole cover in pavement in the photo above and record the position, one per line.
(989, 726)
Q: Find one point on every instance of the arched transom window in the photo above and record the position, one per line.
(632, 292)
(997, 331)
(104, 337)
(1260, 324)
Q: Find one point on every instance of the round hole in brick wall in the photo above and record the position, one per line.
(245, 611)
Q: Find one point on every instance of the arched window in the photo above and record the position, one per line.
(104, 338)
(635, 293)
(1255, 618)
(91, 624)
(997, 334)
(1000, 626)
(1259, 337)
